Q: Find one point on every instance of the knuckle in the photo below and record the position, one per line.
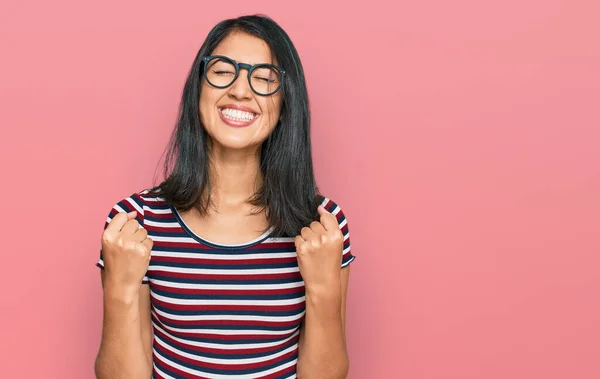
(128, 244)
(120, 243)
(109, 234)
(141, 250)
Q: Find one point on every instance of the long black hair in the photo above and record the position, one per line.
(289, 194)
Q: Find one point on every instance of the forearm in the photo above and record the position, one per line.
(322, 352)
(122, 353)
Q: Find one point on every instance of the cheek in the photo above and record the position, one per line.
(206, 106)
(271, 116)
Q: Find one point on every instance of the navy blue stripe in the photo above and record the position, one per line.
(295, 277)
(153, 205)
(200, 326)
(173, 233)
(215, 296)
(233, 267)
(270, 313)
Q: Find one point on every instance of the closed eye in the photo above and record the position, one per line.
(223, 72)
(268, 80)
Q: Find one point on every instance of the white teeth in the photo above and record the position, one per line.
(237, 115)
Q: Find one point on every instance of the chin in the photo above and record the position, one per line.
(232, 143)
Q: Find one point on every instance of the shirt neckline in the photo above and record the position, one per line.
(216, 245)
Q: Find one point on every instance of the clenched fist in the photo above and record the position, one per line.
(126, 251)
(319, 249)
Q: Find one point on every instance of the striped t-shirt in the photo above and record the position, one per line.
(221, 311)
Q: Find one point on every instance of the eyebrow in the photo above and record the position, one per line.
(252, 64)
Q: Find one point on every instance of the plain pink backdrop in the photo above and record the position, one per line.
(462, 139)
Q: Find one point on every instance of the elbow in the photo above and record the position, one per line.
(104, 371)
(337, 371)
(107, 368)
(101, 369)
(341, 369)
(344, 369)
(98, 368)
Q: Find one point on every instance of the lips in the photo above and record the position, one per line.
(237, 115)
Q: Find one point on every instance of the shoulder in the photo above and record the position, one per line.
(133, 202)
(138, 201)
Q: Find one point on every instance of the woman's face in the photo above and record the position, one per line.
(235, 117)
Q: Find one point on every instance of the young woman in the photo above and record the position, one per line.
(234, 266)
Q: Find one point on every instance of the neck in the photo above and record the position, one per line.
(235, 176)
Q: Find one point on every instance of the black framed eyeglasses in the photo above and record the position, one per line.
(220, 72)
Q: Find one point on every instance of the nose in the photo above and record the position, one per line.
(240, 88)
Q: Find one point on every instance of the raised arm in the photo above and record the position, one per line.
(126, 347)
(322, 352)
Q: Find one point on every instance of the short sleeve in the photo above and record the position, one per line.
(336, 210)
(129, 204)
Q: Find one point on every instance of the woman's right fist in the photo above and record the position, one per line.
(126, 251)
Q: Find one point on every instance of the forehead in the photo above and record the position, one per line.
(244, 48)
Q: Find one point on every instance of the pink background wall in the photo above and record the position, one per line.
(465, 152)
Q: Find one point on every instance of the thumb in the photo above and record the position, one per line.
(119, 220)
(328, 220)
(321, 209)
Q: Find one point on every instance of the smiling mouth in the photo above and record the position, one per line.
(237, 115)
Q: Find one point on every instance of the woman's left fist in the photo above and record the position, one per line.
(319, 249)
